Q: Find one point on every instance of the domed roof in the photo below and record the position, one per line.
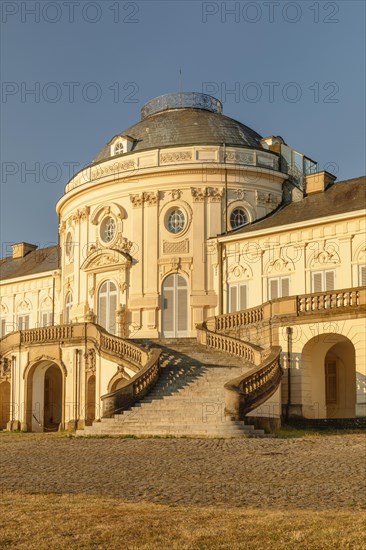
(186, 118)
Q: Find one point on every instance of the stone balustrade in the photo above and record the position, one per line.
(245, 393)
(146, 363)
(134, 389)
(344, 298)
(248, 392)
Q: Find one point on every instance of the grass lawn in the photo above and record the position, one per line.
(53, 521)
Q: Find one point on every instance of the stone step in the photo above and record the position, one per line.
(187, 400)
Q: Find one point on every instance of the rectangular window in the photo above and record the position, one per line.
(237, 297)
(22, 322)
(331, 382)
(2, 328)
(362, 275)
(46, 319)
(323, 281)
(278, 287)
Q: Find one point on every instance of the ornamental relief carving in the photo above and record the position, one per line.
(180, 247)
(240, 272)
(62, 227)
(24, 306)
(175, 157)
(175, 194)
(81, 214)
(122, 243)
(151, 199)
(199, 193)
(174, 265)
(327, 256)
(215, 194)
(240, 158)
(112, 169)
(5, 369)
(240, 194)
(280, 265)
(137, 200)
(91, 284)
(90, 361)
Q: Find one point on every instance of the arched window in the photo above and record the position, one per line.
(107, 305)
(68, 306)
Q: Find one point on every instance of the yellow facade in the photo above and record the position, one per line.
(150, 247)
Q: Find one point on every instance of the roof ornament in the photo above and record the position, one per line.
(181, 100)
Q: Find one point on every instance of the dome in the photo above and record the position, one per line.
(187, 118)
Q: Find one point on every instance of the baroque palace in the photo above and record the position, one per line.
(206, 279)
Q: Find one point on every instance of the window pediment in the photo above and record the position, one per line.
(102, 260)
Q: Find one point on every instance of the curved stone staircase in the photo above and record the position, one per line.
(187, 400)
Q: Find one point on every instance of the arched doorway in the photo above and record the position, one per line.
(52, 412)
(107, 305)
(4, 404)
(175, 307)
(90, 400)
(329, 377)
(44, 396)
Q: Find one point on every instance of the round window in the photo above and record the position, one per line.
(175, 220)
(69, 247)
(238, 217)
(108, 229)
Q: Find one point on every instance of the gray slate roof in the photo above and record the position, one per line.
(37, 261)
(177, 127)
(339, 198)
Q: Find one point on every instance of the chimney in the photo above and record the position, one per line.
(318, 182)
(22, 249)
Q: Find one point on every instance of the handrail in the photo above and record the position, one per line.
(137, 358)
(249, 391)
(295, 305)
(134, 389)
(105, 342)
(228, 344)
(344, 298)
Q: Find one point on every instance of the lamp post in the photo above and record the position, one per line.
(289, 349)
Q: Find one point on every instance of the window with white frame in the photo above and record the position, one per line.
(322, 281)
(22, 322)
(237, 297)
(46, 318)
(107, 305)
(362, 275)
(118, 148)
(108, 229)
(68, 306)
(278, 287)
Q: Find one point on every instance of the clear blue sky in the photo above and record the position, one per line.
(270, 52)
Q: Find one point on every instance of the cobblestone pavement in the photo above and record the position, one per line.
(318, 473)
